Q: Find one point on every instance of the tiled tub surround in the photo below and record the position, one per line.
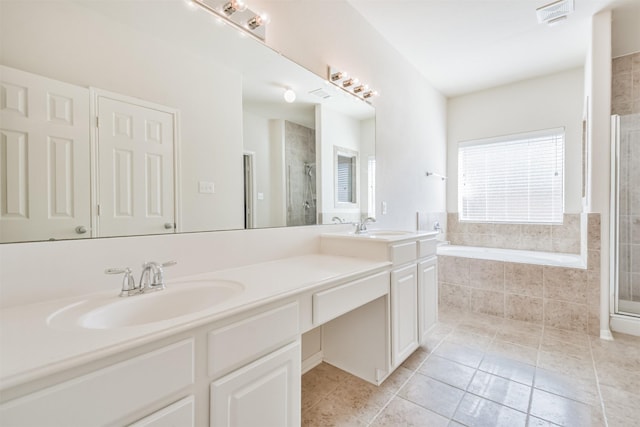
(563, 238)
(625, 84)
(559, 297)
(480, 370)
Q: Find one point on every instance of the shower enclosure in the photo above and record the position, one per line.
(625, 212)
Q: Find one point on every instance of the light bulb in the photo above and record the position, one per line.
(234, 6)
(289, 95)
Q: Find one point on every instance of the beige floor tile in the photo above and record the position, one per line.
(432, 394)
(475, 411)
(330, 413)
(622, 404)
(537, 422)
(508, 368)
(500, 390)
(461, 354)
(469, 339)
(520, 337)
(552, 345)
(570, 337)
(581, 368)
(401, 412)
(359, 397)
(447, 371)
(512, 351)
(414, 361)
(560, 410)
(613, 375)
(320, 382)
(522, 327)
(396, 380)
(571, 387)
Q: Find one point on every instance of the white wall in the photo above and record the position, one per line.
(543, 103)
(598, 100)
(625, 30)
(256, 141)
(121, 59)
(410, 113)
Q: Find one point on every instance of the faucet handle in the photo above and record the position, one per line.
(128, 283)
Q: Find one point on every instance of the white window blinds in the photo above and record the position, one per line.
(516, 178)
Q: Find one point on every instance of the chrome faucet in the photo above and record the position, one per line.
(361, 228)
(337, 220)
(151, 279)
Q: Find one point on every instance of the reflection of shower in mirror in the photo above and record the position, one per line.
(309, 191)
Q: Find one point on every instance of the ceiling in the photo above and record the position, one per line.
(463, 46)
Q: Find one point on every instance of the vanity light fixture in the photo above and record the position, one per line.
(234, 6)
(370, 94)
(237, 14)
(360, 88)
(350, 84)
(258, 21)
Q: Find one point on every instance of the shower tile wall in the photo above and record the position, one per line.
(625, 87)
(564, 298)
(300, 154)
(563, 238)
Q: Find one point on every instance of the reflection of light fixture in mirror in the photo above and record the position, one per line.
(360, 88)
(258, 21)
(234, 6)
(237, 14)
(289, 95)
(350, 84)
(338, 75)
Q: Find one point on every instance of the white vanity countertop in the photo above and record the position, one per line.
(383, 236)
(31, 348)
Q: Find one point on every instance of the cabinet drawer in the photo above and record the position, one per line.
(242, 342)
(109, 394)
(402, 252)
(333, 302)
(427, 248)
(181, 413)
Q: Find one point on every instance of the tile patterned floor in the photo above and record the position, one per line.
(478, 370)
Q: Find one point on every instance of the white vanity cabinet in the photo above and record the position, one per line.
(413, 283)
(404, 313)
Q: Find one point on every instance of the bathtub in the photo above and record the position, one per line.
(514, 255)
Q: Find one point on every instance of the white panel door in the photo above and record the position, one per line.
(404, 313)
(427, 295)
(265, 393)
(136, 167)
(44, 158)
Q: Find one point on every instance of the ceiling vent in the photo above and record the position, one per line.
(555, 12)
(321, 93)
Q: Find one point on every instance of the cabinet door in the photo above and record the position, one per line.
(263, 393)
(179, 414)
(404, 313)
(427, 295)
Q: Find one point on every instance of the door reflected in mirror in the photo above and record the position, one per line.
(194, 142)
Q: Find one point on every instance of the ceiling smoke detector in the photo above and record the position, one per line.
(555, 12)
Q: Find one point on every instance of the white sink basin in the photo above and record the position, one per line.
(179, 299)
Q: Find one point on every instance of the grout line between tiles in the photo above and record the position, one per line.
(595, 372)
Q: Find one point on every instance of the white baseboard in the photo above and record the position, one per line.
(311, 362)
(625, 324)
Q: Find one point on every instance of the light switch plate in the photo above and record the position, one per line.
(205, 187)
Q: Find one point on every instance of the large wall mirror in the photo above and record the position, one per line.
(143, 117)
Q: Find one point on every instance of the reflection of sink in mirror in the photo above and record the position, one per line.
(177, 300)
(227, 106)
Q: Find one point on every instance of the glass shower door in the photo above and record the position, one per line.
(626, 208)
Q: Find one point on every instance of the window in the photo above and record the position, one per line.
(346, 176)
(516, 178)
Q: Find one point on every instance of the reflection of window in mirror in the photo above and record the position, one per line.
(371, 186)
(346, 176)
